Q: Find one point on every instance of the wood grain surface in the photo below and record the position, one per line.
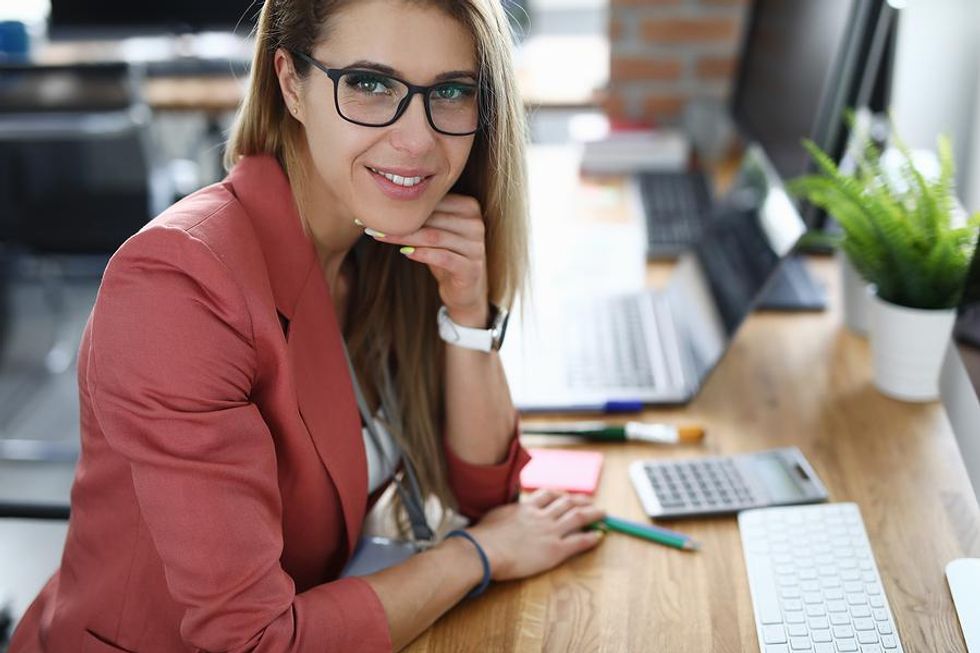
(788, 379)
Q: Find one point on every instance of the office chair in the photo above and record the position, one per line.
(78, 175)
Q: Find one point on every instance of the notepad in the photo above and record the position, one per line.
(560, 469)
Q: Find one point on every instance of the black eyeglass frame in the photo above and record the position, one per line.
(336, 73)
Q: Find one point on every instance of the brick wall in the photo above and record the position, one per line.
(666, 53)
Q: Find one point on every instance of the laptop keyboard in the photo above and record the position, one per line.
(675, 204)
(608, 347)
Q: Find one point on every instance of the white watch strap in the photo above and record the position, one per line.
(461, 336)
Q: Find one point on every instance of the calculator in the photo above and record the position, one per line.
(693, 487)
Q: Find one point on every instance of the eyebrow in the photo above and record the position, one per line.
(388, 70)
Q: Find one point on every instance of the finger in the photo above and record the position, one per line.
(542, 497)
(455, 264)
(580, 542)
(578, 518)
(461, 204)
(468, 227)
(438, 238)
(560, 506)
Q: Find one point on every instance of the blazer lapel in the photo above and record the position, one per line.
(314, 342)
(326, 398)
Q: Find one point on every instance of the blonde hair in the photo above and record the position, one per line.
(392, 317)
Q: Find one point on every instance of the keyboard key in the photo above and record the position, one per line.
(854, 598)
(819, 623)
(889, 641)
(774, 634)
(821, 636)
(864, 624)
(823, 648)
(870, 648)
(795, 617)
(800, 644)
(884, 628)
(798, 630)
(867, 637)
(777, 648)
(843, 632)
(860, 611)
(839, 618)
(847, 646)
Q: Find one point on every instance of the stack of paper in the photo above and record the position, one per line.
(636, 150)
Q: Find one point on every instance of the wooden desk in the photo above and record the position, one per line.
(789, 379)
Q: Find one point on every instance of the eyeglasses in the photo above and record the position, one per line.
(373, 99)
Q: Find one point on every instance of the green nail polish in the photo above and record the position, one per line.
(373, 233)
(358, 222)
(407, 250)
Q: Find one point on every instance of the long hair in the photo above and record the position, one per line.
(392, 319)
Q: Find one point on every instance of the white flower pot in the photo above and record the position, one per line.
(855, 296)
(907, 346)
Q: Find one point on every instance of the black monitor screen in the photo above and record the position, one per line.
(139, 17)
(966, 333)
(790, 60)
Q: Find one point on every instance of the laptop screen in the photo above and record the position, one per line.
(720, 281)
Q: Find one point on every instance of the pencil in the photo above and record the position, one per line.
(639, 431)
(650, 532)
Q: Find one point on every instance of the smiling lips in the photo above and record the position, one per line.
(407, 178)
(408, 186)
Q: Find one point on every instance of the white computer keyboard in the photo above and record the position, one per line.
(815, 585)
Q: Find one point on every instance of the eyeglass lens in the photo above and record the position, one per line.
(374, 99)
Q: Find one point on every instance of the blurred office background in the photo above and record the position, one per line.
(132, 115)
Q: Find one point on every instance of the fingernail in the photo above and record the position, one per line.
(358, 222)
(407, 250)
(373, 233)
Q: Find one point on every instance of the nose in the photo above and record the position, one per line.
(412, 132)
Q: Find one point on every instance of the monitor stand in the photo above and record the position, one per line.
(963, 576)
(793, 288)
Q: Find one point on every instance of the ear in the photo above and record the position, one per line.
(289, 83)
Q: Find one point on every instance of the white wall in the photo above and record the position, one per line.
(937, 83)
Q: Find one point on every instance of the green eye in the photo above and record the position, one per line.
(454, 92)
(366, 83)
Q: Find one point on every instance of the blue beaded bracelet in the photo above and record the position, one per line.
(483, 558)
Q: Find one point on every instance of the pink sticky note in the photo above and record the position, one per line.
(559, 469)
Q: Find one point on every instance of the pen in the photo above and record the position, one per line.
(639, 431)
(657, 534)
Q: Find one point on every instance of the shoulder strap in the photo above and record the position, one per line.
(412, 496)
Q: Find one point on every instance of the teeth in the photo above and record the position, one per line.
(401, 181)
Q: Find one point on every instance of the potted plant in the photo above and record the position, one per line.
(904, 233)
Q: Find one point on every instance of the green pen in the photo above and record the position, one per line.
(603, 431)
(656, 534)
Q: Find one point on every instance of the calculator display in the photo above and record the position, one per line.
(777, 477)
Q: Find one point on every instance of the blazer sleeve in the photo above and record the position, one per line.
(480, 488)
(173, 361)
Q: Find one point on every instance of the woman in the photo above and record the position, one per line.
(225, 475)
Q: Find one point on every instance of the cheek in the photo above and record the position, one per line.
(459, 154)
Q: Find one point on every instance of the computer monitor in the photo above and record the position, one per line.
(803, 64)
(114, 18)
(959, 380)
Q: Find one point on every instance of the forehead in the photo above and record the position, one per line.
(417, 40)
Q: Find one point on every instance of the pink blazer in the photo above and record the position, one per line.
(222, 482)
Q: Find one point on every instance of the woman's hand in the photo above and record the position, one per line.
(526, 538)
(451, 243)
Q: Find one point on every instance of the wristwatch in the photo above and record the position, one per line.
(485, 340)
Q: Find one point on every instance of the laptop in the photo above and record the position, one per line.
(626, 350)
